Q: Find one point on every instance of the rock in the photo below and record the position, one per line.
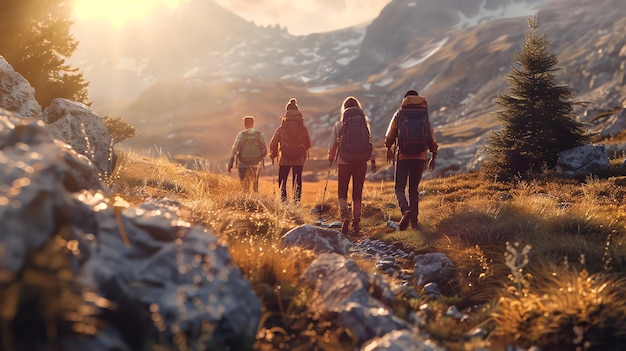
(314, 238)
(128, 276)
(80, 127)
(178, 279)
(434, 268)
(582, 161)
(16, 93)
(40, 177)
(355, 300)
(400, 340)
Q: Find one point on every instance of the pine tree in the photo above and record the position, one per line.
(537, 115)
(119, 129)
(35, 39)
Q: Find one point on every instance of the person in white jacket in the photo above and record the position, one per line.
(346, 170)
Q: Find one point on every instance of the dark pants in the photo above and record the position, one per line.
(411, 171)
(357, 173)
(249, 176)
(296, 182)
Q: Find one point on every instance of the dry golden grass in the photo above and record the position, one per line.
(470, 218)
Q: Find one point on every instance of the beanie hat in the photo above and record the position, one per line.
(350, 102)
(411, 92)
(292, 105)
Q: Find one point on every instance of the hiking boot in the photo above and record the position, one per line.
(356, 228)
(415, 224)
(404, 221)
(345, 220)
(345, 226)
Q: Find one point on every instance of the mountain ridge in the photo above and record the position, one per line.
(459, 70)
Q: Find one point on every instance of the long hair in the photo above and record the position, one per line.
(349, 102)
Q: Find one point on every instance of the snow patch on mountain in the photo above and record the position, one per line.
(512, 10)
(416, 61)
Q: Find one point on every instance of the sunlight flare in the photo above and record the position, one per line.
(118, 12)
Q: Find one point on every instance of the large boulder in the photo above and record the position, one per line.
(107, 275)
(39, 177)
(80, 127)
(16, 93)
(175, 279)
(582, 161)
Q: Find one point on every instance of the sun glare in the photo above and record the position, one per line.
(118, 12)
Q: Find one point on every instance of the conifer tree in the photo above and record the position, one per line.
(119, 130)
(537, 114)
(35, 39)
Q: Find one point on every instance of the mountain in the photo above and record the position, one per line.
(185, 81)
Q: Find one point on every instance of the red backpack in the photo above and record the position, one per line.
(292, 135)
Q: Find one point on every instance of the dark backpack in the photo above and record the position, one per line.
(413, 130)
(354, 137)
(292, 134)
(251, 149)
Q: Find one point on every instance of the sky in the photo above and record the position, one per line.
(307, 16)
(300, 17)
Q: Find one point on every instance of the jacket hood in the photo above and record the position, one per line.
(293, 113)
(414, 100)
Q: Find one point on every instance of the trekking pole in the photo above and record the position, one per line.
(325, 187)
(273, 185)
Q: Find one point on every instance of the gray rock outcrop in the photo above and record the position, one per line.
(356, 300)
(106, 275)
(16, 93)
(317, 239)
(83, 129)
(582, 161)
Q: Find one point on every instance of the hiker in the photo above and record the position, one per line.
(248, 149)
(290, 143)
(411, 134)
(351, 145)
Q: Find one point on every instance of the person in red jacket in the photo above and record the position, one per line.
(290, 143)
(409, 167)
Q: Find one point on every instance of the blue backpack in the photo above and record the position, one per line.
(413, 130)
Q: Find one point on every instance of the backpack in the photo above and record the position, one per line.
(355, 145)
(292, 137)
(251, 150)
(413, 130)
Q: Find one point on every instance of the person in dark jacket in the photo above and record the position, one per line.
(356, 171)
(409, 168)
(290, 144)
